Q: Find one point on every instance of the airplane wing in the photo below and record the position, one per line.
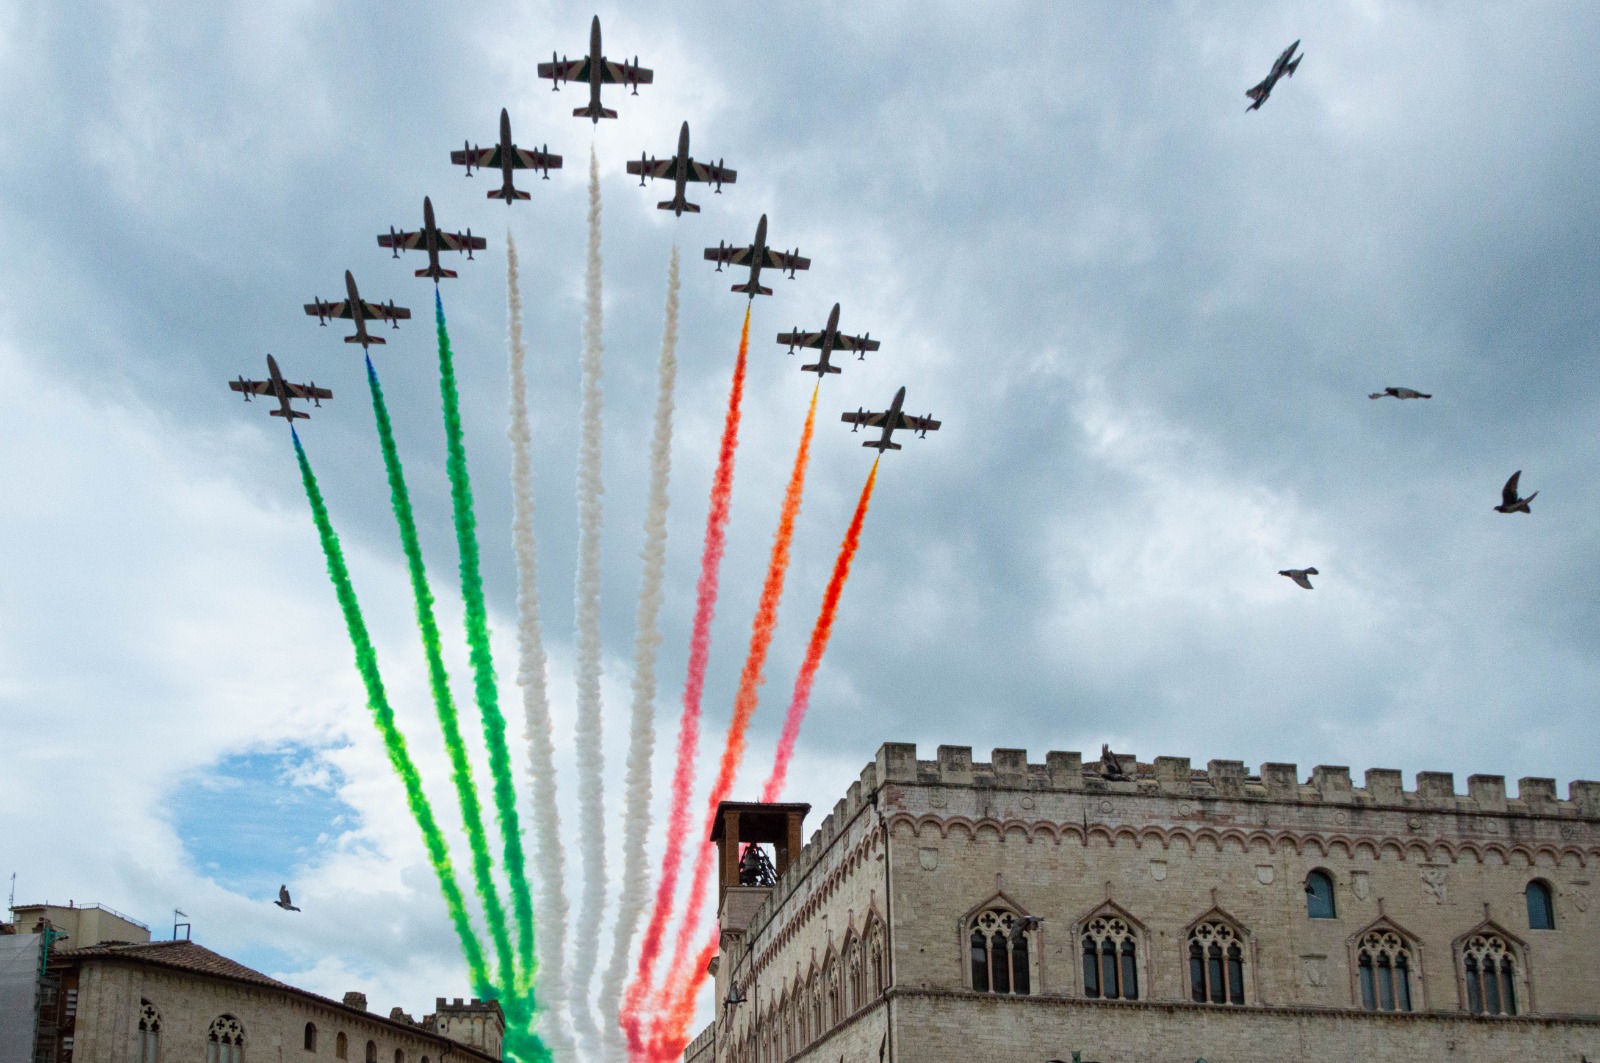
(1259, 92)
(867, 419)
(619, 74)
(252, 387)
(482, 158)
(784, 261)
(854, 343)
(531, 160)
(459, 242)
(341, 309)
(721, 174)
(731, 256)
(802, 339)
(568, 70)
(404, 241)
(667, 168)
(382, 310)
(918, 424)
(305, 391)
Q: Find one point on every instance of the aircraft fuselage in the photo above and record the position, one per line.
(889, 421)
(507, 156)
(596, 70)
(356, 314)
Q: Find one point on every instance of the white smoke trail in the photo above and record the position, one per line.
(551, 899)
(641, 727)
(590, 756)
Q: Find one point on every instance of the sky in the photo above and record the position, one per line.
(1148, 320)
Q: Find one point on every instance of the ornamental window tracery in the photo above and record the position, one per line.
(999, 953)
(877, 967)
(1110, 959)
(1216, 964)
(149, 1032)
(225, 1040)
(1490, 970)
(1383, 968)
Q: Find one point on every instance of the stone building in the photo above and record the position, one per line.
(157, 1001)
(949, 911)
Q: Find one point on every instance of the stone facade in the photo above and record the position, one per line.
(1232, 916)
(175, 1000)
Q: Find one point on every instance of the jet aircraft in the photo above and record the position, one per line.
(890, 420)
(830, 339)
(597, 70)
(281, 390)
(356, 309)
(1280, 68)
(505, 157)
(432, 240)
(756, 256)
(681, 169)
(1399, 393)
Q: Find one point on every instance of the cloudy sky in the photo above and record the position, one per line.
(1148, 320)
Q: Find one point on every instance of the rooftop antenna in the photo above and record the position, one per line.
(11, 904)
(176, 915)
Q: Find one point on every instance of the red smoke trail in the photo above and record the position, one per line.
(693, 688)
(819, 643)
(682, 981)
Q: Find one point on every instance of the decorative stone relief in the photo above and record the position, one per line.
(1433, 876)
(1314, 970)
(928, 858)
(1027, 802)
(1360, 884)
(1264, 874)
(1158, 870)
(1579, 896)
(937, 799)
(1106, 806)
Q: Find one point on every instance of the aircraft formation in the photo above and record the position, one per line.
(681, 168)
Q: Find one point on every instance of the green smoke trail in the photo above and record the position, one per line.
(439, 681)
(483, 681)
(383, 716)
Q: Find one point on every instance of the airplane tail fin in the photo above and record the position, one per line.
(1289, 70)
(292, 414)
(692, 208)
(501, 193)
(882, 446)
(369, 339)
(830, 368)
(441, 272)
(752, 290)
(592, 112)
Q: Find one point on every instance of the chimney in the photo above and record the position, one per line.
(355, 1000)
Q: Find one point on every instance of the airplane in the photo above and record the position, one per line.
(1281, 68)
(682, 169)
(1399, 393)
(355, 309)
(597, 70)
(828, 340)
(282, 390)
(889, 420)
(433, 240)
(506, 156)
(756, 256)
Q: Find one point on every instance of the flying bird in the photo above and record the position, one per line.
(1301, 576)
(1399, 393)
(1509, 502)
(283, 900)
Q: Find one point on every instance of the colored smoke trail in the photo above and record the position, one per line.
(641, 727)
(673, 1035)
(590, 756)
(477, 623)
(681, 980)
(693, 689)
(532, 677)
(394, 742)
(818, 645)
(439, 680)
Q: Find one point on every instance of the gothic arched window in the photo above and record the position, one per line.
(1216, 964)
(877, 970)
(1490, 968)
(1383, 965)
(852, 975)
(1110, 959)
(311, 1037)
(814, 991)
(149, 1033)
(225, 1040)
(341, 1046)
(372, 1052)
(1541, 906)
(997, 940)
(1319, 896)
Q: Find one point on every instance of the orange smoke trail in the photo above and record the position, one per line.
(682, 982)
(693, 689)
(819, 643)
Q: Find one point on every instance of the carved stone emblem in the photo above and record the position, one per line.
(1360, 884)
(1264, 874)
(1433, 876)
(1314, 969)
(1158, 870)
(1579, 899)
(928, 858)
(937, 799)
